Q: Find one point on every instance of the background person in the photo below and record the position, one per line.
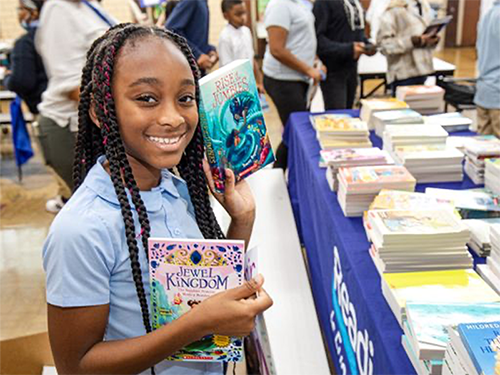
(289, 60)
(191, 19)
(340, 29)
(235, 40)
(487, 97)
(401, 39)
(27, 76)
(66, 32)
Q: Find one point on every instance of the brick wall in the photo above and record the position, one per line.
(10, 29)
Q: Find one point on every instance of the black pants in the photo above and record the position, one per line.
(339, 89)
(288, 96)
(58, 148)
(420, 80)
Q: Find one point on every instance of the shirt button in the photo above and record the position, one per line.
(177, 232)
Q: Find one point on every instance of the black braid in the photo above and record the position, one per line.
(93, 141)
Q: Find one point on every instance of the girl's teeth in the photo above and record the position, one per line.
(166, 141)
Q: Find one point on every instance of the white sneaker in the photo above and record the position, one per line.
(55, 204)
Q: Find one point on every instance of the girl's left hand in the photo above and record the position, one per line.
(237, 198)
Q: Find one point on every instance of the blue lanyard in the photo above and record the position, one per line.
(99, 13)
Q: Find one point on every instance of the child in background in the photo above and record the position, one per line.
(138, 119)
(235, 40)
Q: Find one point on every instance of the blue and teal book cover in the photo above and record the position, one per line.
(233, 125)
(482, 341)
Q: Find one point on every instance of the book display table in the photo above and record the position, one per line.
(361, 332)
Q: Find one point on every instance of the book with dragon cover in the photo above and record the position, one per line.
(232, 122)
(185, 272)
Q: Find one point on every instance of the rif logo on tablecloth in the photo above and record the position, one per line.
(356, 344)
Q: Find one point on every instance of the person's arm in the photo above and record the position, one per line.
(326, 46)
(79, 258)
(76, 334)
(259, 77)
(23, 77)
(277, 48)
(180, 18)
(388, 38)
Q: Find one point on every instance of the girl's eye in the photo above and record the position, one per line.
(188, 99)
(146, 99)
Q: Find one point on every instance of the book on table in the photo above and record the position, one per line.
(343, 158)
(431, 163)
(183, 273)
(395, 117)
(450, 121)
(450, 286)
(333, 133)
(373, 105)
(358, 186)
(492, 175)
(482, 342)
(427, 322)
(480, 230)
(471, 204)
(408, 135)
(322, 118)
(425, 99)
(232, 122)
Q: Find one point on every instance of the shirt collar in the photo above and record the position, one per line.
(99, 181)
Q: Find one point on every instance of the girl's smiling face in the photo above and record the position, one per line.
(154, 94)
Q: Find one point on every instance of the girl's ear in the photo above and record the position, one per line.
(93, 115)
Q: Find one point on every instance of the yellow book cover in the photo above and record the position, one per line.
(460, 286)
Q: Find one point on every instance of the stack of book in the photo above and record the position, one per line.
(471, 204)
(425, 335)
(371, 106)
(480, 230)
(473, 349)
(452, 286)
(450, 121)
(409, 135)
(431, 163)
(492, 175)
(358, 186)
(459, 142)
(410, 241)
(403, 200)
(351, 157)
(491, 270)
(380, 120)
(421, 98)
(476, 153)
(317, 119)
(338, 133)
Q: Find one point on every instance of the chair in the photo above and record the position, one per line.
(459, 92)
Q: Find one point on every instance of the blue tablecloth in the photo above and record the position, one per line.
(362, 335)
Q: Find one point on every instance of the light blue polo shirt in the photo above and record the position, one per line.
(86, 256)
(488, 59)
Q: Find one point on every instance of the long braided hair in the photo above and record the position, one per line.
(93, 141)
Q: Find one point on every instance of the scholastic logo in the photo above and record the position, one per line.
(353, 347)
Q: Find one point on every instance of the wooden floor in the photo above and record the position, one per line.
(24, 224)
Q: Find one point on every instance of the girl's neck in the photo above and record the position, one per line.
(146, 177)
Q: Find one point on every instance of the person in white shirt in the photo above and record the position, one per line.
(67, 30)
(235, 40)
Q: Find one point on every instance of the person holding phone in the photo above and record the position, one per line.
(402, 40)
(340, 30)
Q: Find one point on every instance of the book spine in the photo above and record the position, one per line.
(216, 169)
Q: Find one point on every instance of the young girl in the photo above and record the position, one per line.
(138, 118)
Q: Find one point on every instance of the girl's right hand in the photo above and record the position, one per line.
(232, 313)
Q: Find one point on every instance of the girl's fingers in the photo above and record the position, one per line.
(208, 174)
(230, 182)
(262, 302)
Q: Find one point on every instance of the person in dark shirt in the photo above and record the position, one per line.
(191, 19)
(27, 76)
(341, 41)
